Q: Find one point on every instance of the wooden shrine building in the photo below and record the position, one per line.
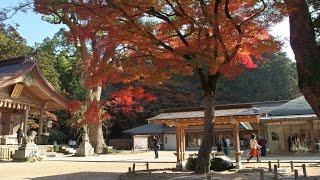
(226, 117)
(23, 89)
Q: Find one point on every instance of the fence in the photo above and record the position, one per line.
(5, 153)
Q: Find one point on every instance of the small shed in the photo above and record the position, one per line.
(142, 133)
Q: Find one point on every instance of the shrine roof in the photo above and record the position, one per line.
(24, 72)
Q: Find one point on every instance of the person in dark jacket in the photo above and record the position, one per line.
(19, 135)
(219, 145)
(156, 145)
(262, 142)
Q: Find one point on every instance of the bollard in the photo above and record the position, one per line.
(291, 164)
(134, 167)
(208, 177)
(269, 163)
(129, 169)
(261, 174)
(147, 166)
(278, 163)
(304, 170)
(275, 172)
(296, 176)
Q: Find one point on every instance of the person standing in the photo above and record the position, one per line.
(289, 143)
(19, 135)
(227, 145)
(254, 146)
(224, 146)
(262, 142)
(219, 145)
(156, 146)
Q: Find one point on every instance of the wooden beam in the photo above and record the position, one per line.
(40, 130)
(236, 141)
(17, 90)
(268, 121)
(178, 140)
(312, 135)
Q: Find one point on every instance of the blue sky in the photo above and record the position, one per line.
(34, 30)
(31, 27)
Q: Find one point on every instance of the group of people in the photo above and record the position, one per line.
(256, 147)
(223, 145)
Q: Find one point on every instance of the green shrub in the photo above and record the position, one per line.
(108, 150)
(57, 135)
(220, 163)
(55, 148)
(191, 163)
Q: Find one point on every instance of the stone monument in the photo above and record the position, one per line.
(85, 148)
(28, 148)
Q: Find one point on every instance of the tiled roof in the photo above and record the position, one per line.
(12, 68)
(150, 129)
(24, 70)
(200, 114)
(298, 106)
(265, 107)
(160, 128)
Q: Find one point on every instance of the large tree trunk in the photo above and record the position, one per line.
(307, 54)
(209, 86)
(96, 137)
(95, 129)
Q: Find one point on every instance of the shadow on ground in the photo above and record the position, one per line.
(81, 176)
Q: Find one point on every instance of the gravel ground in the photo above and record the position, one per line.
(116, 167)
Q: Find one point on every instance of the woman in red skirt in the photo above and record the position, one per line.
(254, 148)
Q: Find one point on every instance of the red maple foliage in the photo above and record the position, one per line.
(152, 40)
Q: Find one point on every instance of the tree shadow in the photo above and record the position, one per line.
(81, 176)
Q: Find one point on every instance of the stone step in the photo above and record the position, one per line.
(68, 150)
(53, 154)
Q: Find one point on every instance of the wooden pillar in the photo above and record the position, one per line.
(25, 120)
(40, 131)
(178, 142)
(312, 135)
(236, 144)
(259, 130)
(183, 142)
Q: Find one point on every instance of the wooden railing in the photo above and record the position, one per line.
(5, 153)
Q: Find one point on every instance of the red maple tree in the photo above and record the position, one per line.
(152, 40)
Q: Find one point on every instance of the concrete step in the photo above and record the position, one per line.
(53, 154)
(68, 150)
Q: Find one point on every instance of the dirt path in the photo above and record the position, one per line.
(115, 166)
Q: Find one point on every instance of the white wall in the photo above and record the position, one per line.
(169, 142)
(140, 142)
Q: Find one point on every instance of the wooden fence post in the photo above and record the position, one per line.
(304, 170)
(269, 163)
(296, 176)
(134, 167)
(275, 172)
